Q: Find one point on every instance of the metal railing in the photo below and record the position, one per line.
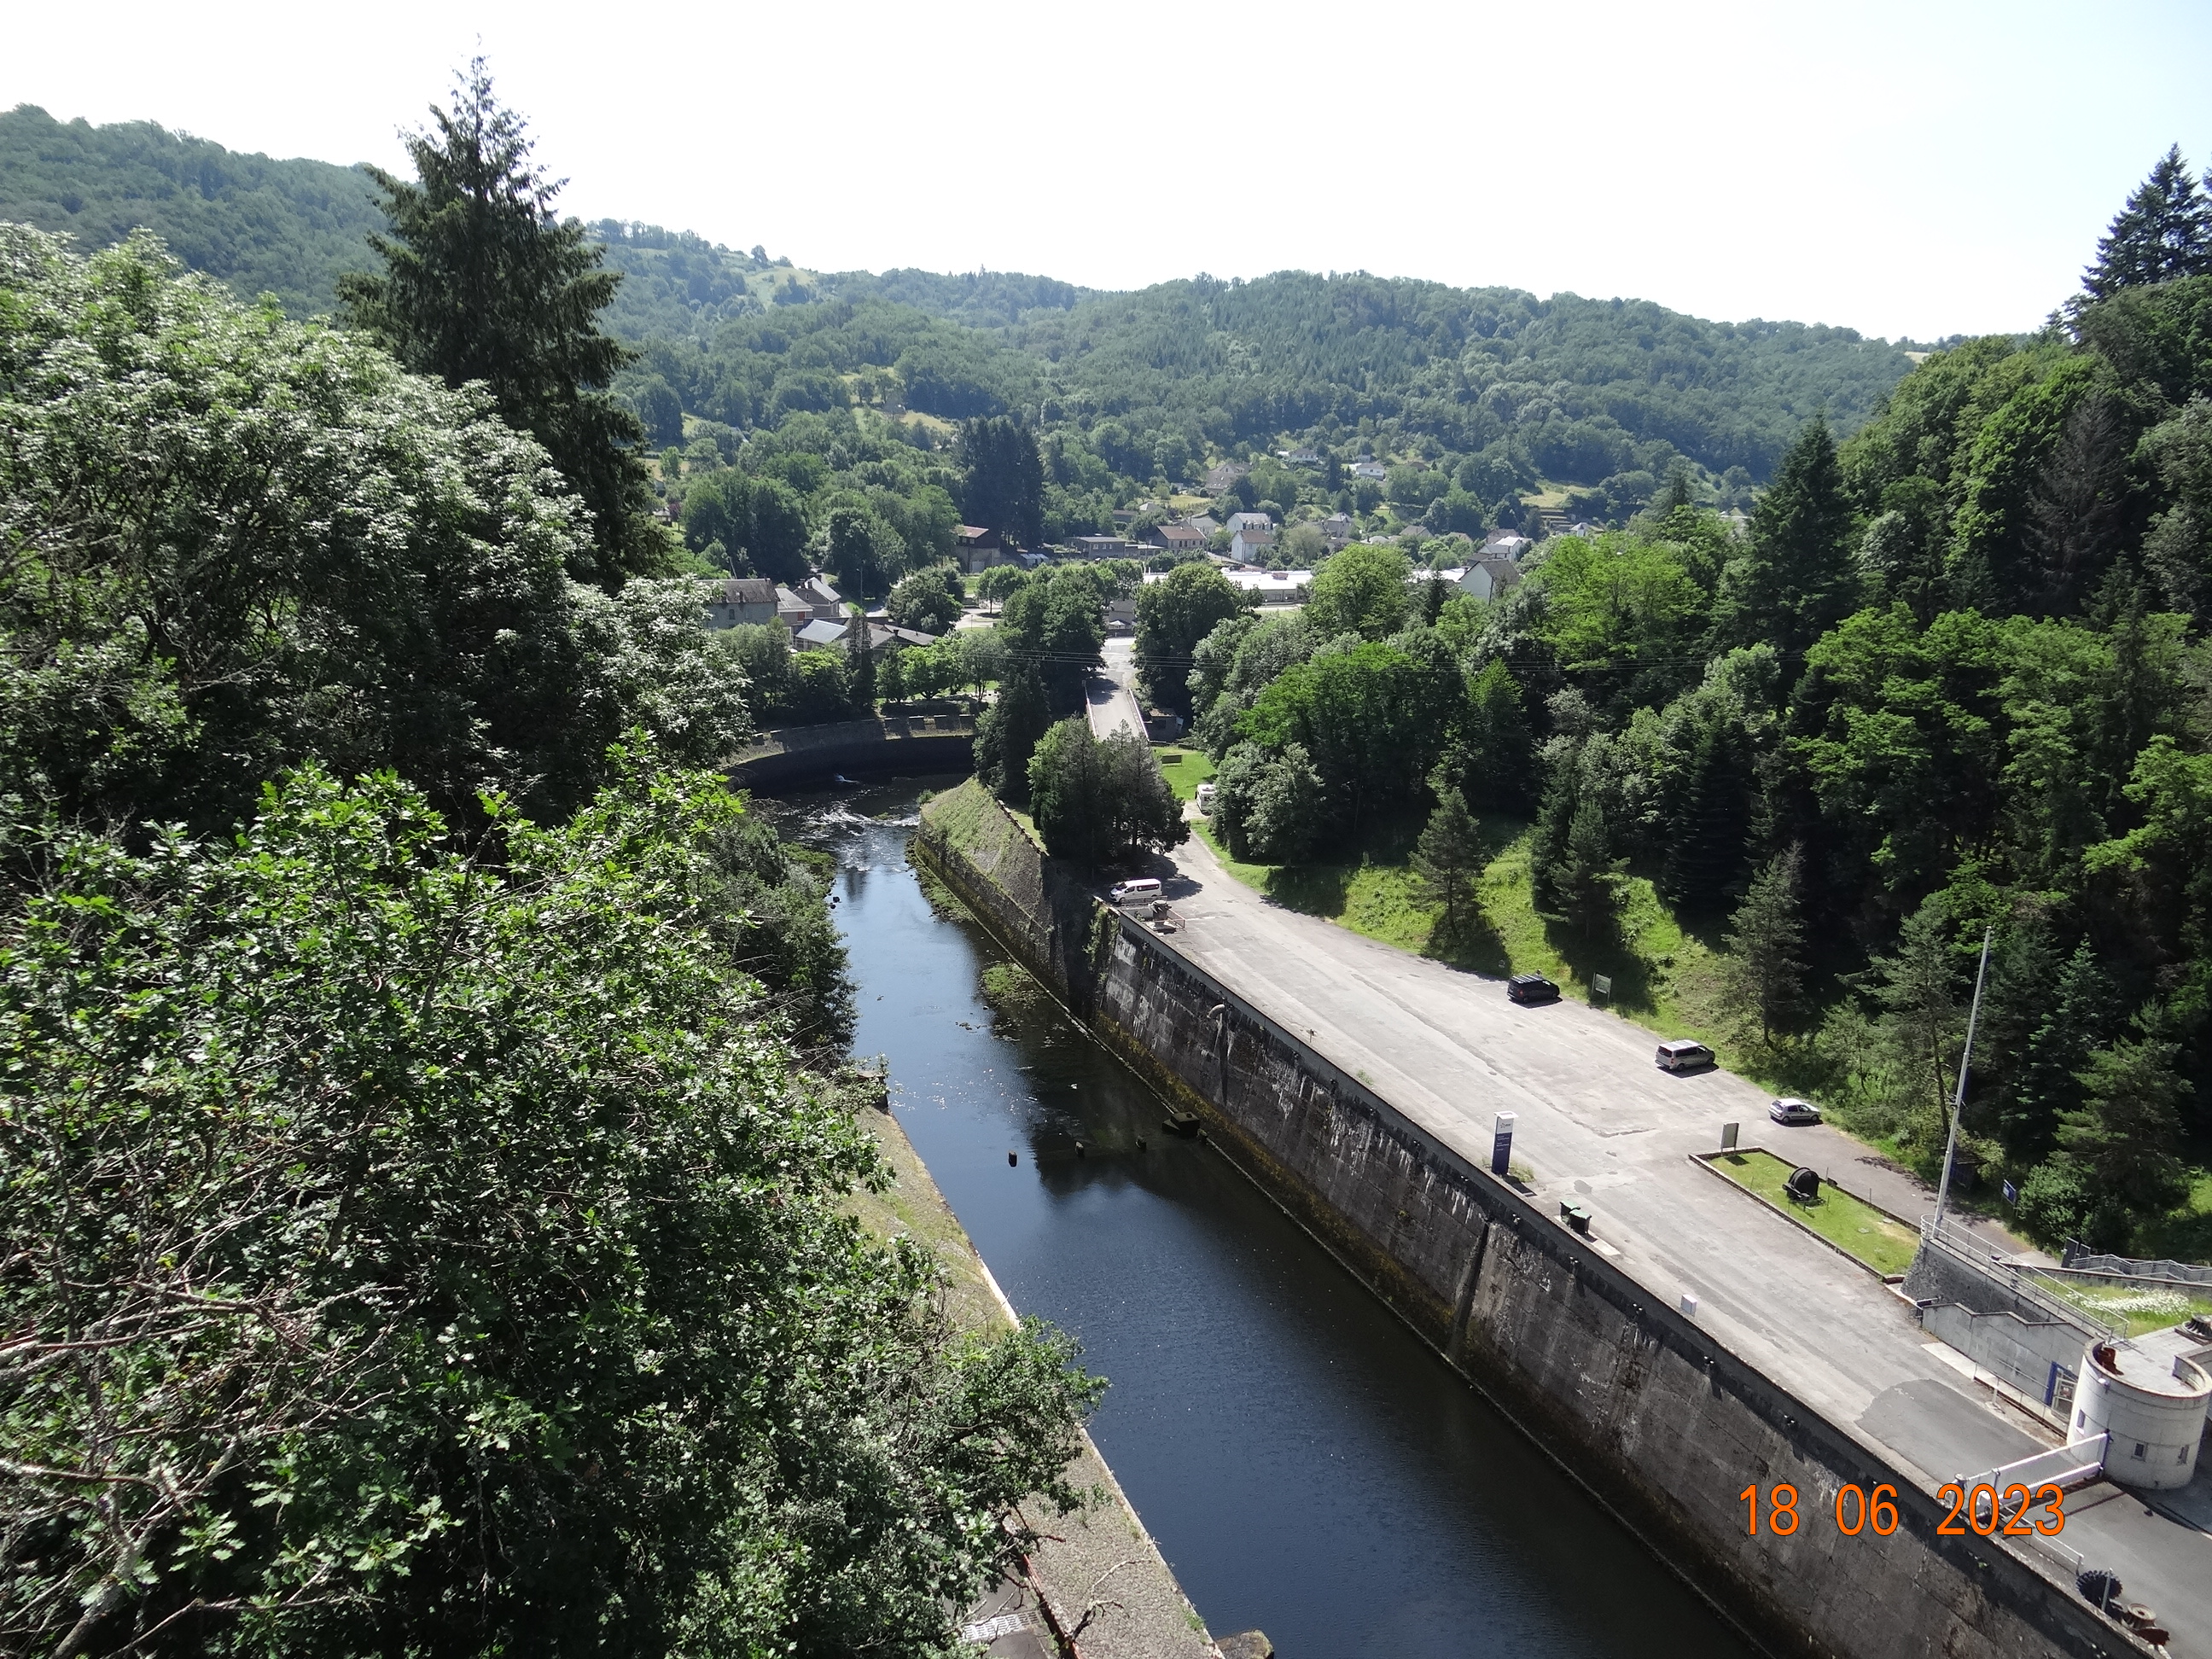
(2120, 1267)
(1960, 1242)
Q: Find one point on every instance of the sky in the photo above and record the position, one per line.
(1909, 170)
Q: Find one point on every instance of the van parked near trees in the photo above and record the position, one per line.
(1683, 1055)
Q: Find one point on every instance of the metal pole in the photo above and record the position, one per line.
(1959, 1097)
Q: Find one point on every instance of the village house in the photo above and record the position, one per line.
(1220, 478)
(1485, 579)
(1337, 530)
(978, 549)
(1175, 538)
(823, 602)
(740, 601)
(1103, 547)
(1251, 538)
(794, 612)
(1273, 586)
(1370, 469)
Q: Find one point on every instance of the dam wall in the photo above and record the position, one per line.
(892, 743)
(1659, 1421)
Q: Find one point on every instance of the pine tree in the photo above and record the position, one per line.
(1712, 821)
(1766, 944)
(1589, 881)
(1448, 859)
(482, 282)
(1799, 578)
(1003, 479)
(1007, 733)
(859, 663)
(2165, 231)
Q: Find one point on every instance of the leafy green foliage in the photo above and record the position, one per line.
(261, 226)
(928, 601)
(482, 282)
(447, 1258)
(1172, 617)
(236, 542)
(1360, 591)
(1096, 800)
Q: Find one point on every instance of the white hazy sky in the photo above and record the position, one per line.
(1911, 169)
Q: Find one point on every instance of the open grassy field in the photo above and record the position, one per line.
(1183, 769)
(1882, 1242)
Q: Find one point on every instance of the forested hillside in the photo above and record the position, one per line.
(1478, 397)
(1778, 786)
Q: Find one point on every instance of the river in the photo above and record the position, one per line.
(1307, 1466)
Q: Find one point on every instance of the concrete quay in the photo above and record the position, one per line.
(1358, 1085)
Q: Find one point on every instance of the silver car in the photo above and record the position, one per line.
(1793, 1111)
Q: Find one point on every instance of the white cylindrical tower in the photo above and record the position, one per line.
(2152, 1407)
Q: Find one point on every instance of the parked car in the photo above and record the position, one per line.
(1135, 892)
(1683, 1055)
(1531, 987)
(1793, 1111)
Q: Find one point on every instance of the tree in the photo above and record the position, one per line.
(1007, 732)
(1766, 940)
(1448, 859)
(1711, 819)
(995, 584)
(1590, 883)
(1361, 590)
(260, 542)
(482, 282)
(1495, 755)
(862, 548)
(1002, 485)
(1798, 579)
(1172, 617)
(2117, 1163)
(928, 601)
(441, 1233)
(1094, 801)
(1057, 625)
(2164, 231)
(1268, 807)
(1922, 1024)
(859, 660)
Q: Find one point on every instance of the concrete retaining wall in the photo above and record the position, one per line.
(895, 744)
(2022, 1353)
(1662, 1425)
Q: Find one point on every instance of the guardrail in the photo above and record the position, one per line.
(1960, 1242)
(2067, 1467)
(2161, 1272)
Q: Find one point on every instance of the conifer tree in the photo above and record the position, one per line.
(859, 663)
(482, 282)
(1705, 848)
(1002, 484)
(1766, 944)
(2165, 231)
(1448, 859)
(1798, 580)
(1590, 879)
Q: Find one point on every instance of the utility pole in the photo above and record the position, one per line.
(1959, 1097)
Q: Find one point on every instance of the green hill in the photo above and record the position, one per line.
(1486, 391)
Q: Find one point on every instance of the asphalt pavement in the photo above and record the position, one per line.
(1599, 1123)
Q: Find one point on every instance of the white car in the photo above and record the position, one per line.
(1793, 1111)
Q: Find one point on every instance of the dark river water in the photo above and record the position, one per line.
(1306, 1464)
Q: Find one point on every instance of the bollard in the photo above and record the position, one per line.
(1501, 1146)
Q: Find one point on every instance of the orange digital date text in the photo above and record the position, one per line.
(1982, 1507)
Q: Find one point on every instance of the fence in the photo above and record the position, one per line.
(2079, 1261)
(1957, 1242)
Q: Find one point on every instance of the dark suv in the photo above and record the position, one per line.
(1531, 987)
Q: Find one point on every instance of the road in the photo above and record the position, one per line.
(1600, 1124)
(1112, 696)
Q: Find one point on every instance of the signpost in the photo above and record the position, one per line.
(1501, 1147)
(1728, 1137)
(1601, 985)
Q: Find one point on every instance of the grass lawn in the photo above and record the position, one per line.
(1883, 1242)
(1183, 769)
(2143, 1307)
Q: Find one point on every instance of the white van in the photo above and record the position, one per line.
(1205, 800)
(1134, 892)
(1683, 1055)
